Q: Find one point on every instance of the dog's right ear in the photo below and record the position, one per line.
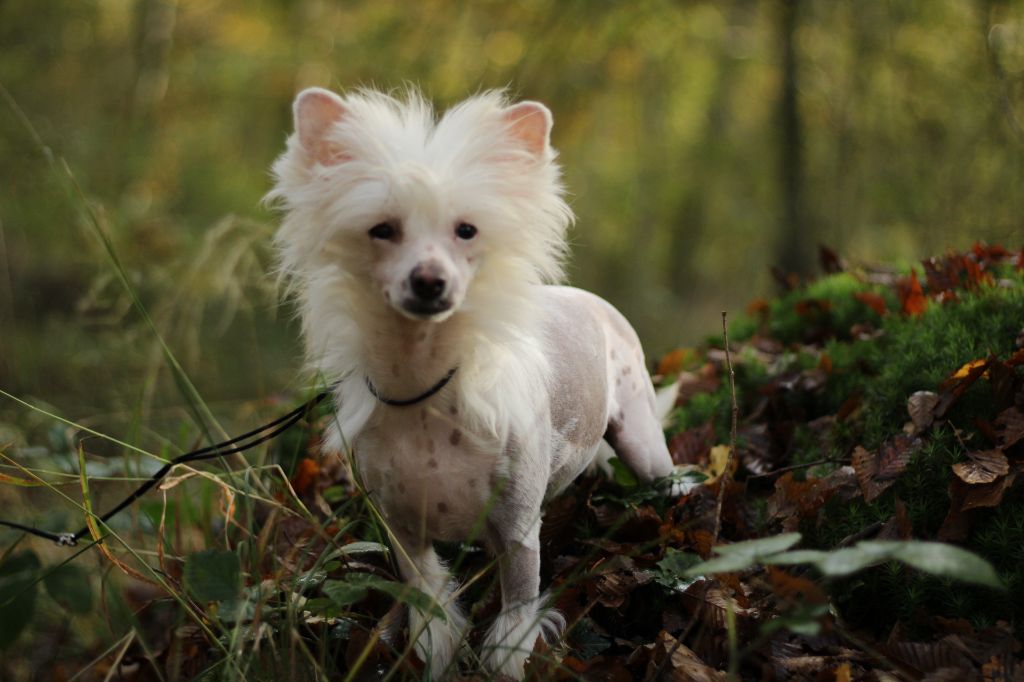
(316, 112)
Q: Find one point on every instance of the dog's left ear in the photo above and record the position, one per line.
(530, 123)
(316, 112)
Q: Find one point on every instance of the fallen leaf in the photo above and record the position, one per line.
(794, 589)
(930, 657)
(674, 361)
(1009, 427)
(873, 301)
(692, 445)
(813, 307)
(305, 476)
(983, 466)
(758, 307)
(957, 383)
(969, 367)
(912, 299)
(876, 472)
(704, 380)
(682, 665)
(988, 494)
(718, 460)
(921, 406)
(957, 524)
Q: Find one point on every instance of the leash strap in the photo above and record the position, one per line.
(411, 401)
(228, 447)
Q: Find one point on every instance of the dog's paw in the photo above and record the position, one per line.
(437, 641)
(514, 634)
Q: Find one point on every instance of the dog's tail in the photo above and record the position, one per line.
(664, 400)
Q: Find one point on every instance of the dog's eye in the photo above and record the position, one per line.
(465, 231)
(384, 231)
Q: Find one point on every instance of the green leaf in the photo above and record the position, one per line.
(622, 474)
(672, 568)
(739, 556)
(214, 575)
(17, 595)
(849, 560)
(70, 587)
(797, 556)
(344, 593)
(359, 547)
(939, 558)
(354, 586)
(760, 547)
(936, 558)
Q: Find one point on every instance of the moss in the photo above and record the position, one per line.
(908, 355)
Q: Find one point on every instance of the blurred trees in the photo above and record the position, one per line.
(703, 141)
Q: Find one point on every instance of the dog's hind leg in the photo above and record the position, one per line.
(634, 427)
(435, 640)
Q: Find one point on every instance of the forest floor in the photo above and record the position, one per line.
(835, 534)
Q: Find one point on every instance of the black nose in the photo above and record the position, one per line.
(427, 282)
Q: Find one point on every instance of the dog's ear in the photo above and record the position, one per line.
(530, 124)
(316, 112)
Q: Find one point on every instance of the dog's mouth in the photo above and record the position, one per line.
(426, 310)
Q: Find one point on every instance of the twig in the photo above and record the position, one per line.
(794, 467)
(726, 478)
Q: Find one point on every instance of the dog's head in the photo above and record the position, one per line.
(413, 211)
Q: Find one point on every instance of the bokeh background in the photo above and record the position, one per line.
(703, 143)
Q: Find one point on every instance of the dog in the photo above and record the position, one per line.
(424, 253)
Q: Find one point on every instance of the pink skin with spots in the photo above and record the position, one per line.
(416, 245)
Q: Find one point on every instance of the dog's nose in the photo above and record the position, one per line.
(427, 282)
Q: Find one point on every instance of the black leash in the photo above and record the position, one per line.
(406, 402)
(228, 447)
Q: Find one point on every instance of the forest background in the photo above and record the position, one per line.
(703, 143)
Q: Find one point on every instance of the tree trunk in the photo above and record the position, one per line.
(793, 248)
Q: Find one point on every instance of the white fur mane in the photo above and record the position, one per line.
(495, 335)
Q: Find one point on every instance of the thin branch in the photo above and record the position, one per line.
(726, 478)
(795, 467)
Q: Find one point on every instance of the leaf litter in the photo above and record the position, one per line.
(645, 592)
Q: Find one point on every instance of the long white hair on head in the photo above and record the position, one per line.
(484, 153)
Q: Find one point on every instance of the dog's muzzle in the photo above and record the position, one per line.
(428, 286)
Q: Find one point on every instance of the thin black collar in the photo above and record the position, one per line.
(411, 401)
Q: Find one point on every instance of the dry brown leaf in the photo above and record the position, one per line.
(691, 446)
(921, 406)
(306, 475)
(876, 472)
(928, 657)
(873, 301)
(674, 361)
(988, 494)
(983, 466)
(1009, 427)
(794, 589)
(683, 665)
(912, 299)
(957, 524)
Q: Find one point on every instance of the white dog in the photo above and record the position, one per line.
(421, 253)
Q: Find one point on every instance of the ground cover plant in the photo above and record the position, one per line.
(880, 437)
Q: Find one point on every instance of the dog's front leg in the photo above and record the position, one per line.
(435, 640)
(511, 639)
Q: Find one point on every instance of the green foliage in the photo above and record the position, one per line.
(354, 586)
(214, 576)
(18, 578)
(936, 558)
(70, 587)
